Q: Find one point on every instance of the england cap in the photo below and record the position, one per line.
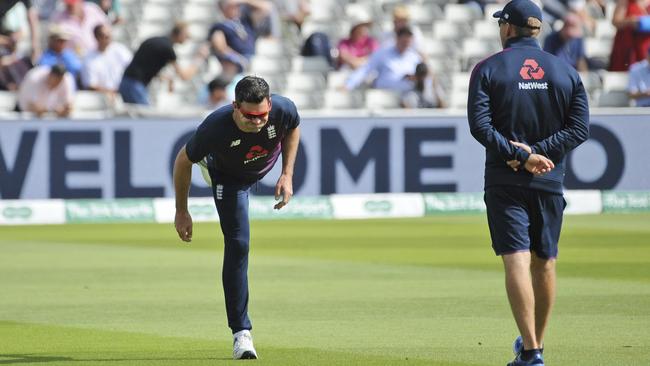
(517, 12)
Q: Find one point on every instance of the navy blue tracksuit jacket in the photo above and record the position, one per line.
(526, 95)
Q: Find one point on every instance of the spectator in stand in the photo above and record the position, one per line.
(112, 9)
(104, 67)
(217, 94)
(58, 52)
(236, 35)
(293, 11)
(394, 66)
(152, 55)
(47, 90)
(401, 19)
(6, 38)
(630, 45)
(639, 84)
(45, 8)
(567, 43)
(427, 92)
(355, 50)
(79, 18)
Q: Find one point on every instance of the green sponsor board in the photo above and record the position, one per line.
(378, 206)
(203, 211)
(298, 207)
(122, 210)
(626, 201)
(435, 203)
(22, 213)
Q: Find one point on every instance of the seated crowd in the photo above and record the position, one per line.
(80, 53)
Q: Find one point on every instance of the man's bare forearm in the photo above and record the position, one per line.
(182, 179)
(290, 150)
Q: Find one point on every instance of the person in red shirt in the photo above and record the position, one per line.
(630, 45)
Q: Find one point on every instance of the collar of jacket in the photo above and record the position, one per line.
(522, 42)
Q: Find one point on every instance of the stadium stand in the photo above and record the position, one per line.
(456, 36)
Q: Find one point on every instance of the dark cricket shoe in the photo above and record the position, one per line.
(243, 346)
(536, 360)
(518, 346)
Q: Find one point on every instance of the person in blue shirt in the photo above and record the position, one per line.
(394, 65)
(239, 144)
(58, 52)
(529, 109)
(568, 43)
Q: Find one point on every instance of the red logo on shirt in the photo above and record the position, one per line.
(256, 152)
(531, 70)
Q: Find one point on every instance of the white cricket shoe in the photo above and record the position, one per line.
(243, 346)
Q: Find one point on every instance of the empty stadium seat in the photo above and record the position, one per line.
(156, 12)
(337, 79)
(261, 64)
(613, 99)
(297, 81)
(304, 100)
(200, 13)
(424, 13)
(591, 81)
(310, 64)
(435, 47)
(460, 81)
(382, 99)
(458, 99)
(86, 100)
(337, 99)
(605, 29)
(490, 9)
(615, 81)
(486, 29)
(598, 49)
(270, 48)
(449, 31)
(8, 100)
(475, 50)
(462, 13)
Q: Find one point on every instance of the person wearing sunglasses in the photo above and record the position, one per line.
(238, 144)
(529, 109)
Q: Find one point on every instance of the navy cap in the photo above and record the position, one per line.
(517, 12)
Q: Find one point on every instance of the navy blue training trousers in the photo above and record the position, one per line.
(232, 205)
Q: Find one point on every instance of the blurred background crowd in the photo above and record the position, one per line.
(76, 58)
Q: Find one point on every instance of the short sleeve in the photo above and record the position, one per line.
(294, 117)
(200, 144)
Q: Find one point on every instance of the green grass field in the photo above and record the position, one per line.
(378, 292)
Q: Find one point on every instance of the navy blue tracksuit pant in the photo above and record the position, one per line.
(232, 205)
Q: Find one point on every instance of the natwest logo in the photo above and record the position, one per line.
(531, 70)
(256, 152)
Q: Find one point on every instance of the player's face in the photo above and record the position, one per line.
(252, 117)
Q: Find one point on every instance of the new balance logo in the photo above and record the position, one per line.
(235, 143)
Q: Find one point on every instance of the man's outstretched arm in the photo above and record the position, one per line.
(284, 187)
(182, 179)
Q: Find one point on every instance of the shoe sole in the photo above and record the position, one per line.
(248, 356)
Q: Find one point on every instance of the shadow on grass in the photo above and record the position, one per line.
(12, 359)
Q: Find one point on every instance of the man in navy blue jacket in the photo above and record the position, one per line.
(529, 109)
(239, 144)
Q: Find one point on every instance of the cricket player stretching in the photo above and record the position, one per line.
(529, 109)
(239, 144)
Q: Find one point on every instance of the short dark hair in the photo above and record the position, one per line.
(404, 31)
(219, 82)
(178, 28)
(251, 89)
(58, 70)
(97, 30)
